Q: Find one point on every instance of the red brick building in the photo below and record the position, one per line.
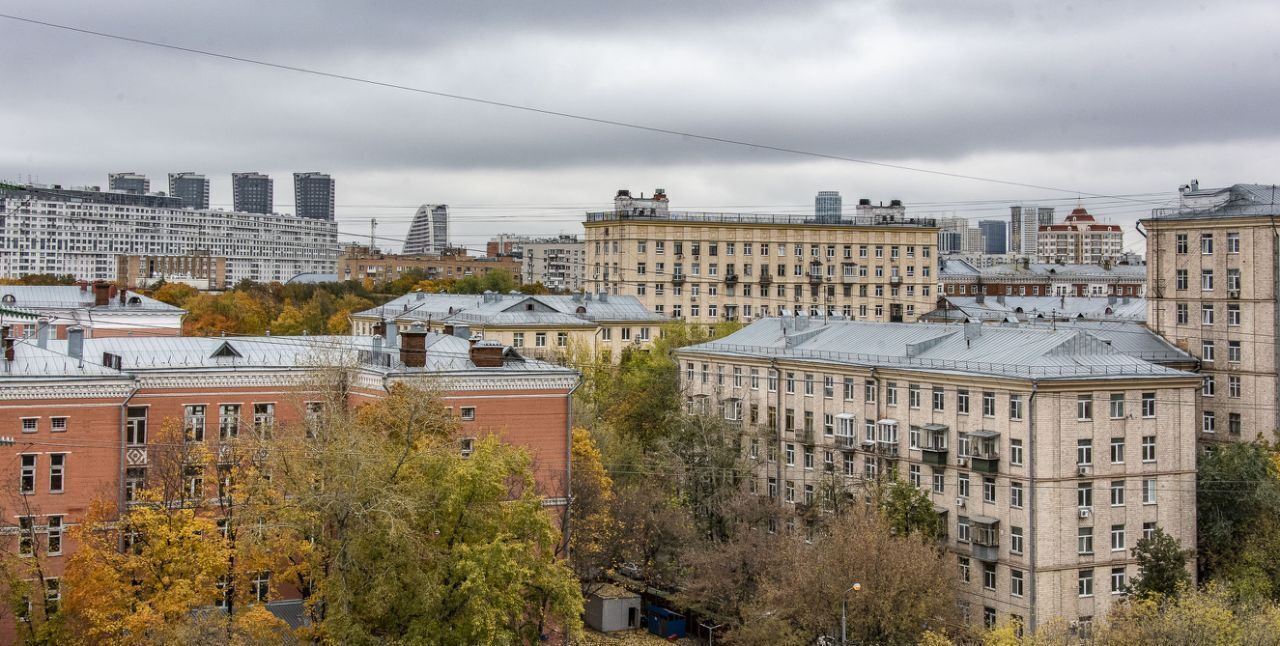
(82, 411)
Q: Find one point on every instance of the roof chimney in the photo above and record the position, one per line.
(75, 343)
(379, 328)
(8, 347)
(123, 292)
(101, 294)
(487, 354)
(462, 331)
(603, 297)
(413, 347)
(42, 332)
(972, 330)
(393, 334)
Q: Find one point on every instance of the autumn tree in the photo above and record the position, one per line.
(175, 294)
(1209, 616)
(593, 528)
(1238, 496)
(906, 586)
(908, 510)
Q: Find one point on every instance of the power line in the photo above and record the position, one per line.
(537, 110)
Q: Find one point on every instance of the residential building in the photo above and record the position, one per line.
(828, 207)
(135, 183)
(99, 309)
(356, 263)
(1001, 308)
(974, 241)
(1212, 275)
(252, 193)
(219, 388)
(559, 262)
(549, 327)
(951, 232)
(1025, 221)
(429, 231)
(191, 188)
(313, 195)
(1047, 452)
(199, 270)
(505, 244)
(709, 267)
(82, 232)
(995, 236)
(1080, 239)
(1025, 278)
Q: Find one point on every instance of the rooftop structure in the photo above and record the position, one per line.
(1021, 308)
(191, 188)
(1025, 278)
(100, 309)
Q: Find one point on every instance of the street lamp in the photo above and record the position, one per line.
(844, 613)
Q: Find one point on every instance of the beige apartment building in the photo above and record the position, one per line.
(1212, 271)
(1048, 453)
(877, 265)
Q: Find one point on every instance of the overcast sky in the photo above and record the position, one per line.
(1094, 97)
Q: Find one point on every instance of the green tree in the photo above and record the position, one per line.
(908, 510)
(1238, 488)
(1162, 566)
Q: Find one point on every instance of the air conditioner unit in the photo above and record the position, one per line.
(1086, 512)
(962, 462)
(1235, 293)
(960, 502)
(1084, 470)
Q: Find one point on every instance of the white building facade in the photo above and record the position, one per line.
(79, 232)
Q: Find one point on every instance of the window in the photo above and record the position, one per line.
(808, 458)
(913, 396)
(26, 536)
(1180, 243)
(58, 424)
(264, 419)
(1084, 583)
(1233, 351)
(562, 339)
(134, 478)
(1084, 494)
(517, 340)
(1015, 540)
(1233, 314)
(962, 401)
(1207, 386)
(193, 423)
(1183, 279)
(808, 384)
(30, 424)
(136, 426)
(962, 529)
(1183, 313)
(962, 483)
(1117, 580)
(1233, 242)
(1084, 540)
(964, 569)
(1208, 422)
(1148, 404)
(1117, 405)
(1206, 280)
(790, 491)
(913, 475)
(1015, 407)
(1084, 408)
(773, 381)
(1206, 244)
(1015, 495)
(828, 387)
(939, 482)
(27, 481)
(1149, 491)
(53, 543)
(1149, 530)
(1084, 452)
(939, 398)
(989, 576)
(891, 393)
(790, 454)
(52, 594)
(261, 585)
(1015, 452)
(57, 471)
(1117, 493)
(988, 404)
(228, 421)
(1015, 582)
(791, 383)
(1117, 450)
(1206, 314)
(467, 413)
(194, 484)
(989, 616)
(869, 392)
(1117, 538)
(1234, 425)
(989, 489)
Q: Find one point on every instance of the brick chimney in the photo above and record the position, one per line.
(487, 354)
(101, 294)
(413, 346)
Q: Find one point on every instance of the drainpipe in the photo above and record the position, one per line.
(777, 428)
(1275, 297)
(1031, 523)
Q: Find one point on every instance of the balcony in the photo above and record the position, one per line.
(848, 279)
(804, 435)
(677, 279)
(731, 279)
(985, 451)
(815, 279)
(887, 449)
(986, 538)
(934, 451)
(846, 442)
(895, 280)
(766, 278)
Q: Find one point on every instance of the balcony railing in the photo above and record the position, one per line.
(846, 442)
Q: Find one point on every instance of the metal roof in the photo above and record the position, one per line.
(31, 362)
(1025, 352)
(72, 297)
(961, 269)
(1237, 200)
(1022, 308)
(514, 309)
